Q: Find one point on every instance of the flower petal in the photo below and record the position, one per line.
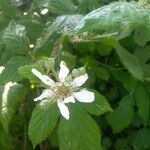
(69, 99)
(63, 109)
(46, 93)
(63, 71)
(45, 79)
(79, 81)
(84, 96)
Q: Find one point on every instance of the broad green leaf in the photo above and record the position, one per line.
(142, 54)
(130, 62)
(33, 25)
(80, 132)
(142, 35)
(86, 6)
(143, 101)
(102, 73)
(5, 140)
(125, 78)
(26, 70)
(57, 7)
(104, 50)
(146, 69)
(15, 39)
(51, 36)
(43, 121)
(99, 106)
(8, 9)
(3, 22)
(11, 95)
(69, 59)
(121, 117)
(10, 73)
(118, 18)
(141, 138)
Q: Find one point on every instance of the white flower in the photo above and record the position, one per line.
(66, 90)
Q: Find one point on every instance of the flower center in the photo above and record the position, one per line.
(63, 90)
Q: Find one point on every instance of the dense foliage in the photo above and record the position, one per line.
(110, 39)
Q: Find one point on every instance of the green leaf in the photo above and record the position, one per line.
(99, 106)
(104, 50)
(5, 140)
(146, 69)
(52, 34)
(10, 73)
(12, 94)
(80, 132)
(142, 54)
(15, 39)
(102, 73)
(8, 9)
(142, 35)
(125, 78)
(142, 100)
(57, 7)
(121, 117)
(43, 121)
(141, 138)
(25, 71)
(33, 25)
(130, 62)
(118, 17)
(3, 22)
(86, 6)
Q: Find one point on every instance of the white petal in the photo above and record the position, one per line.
(44, 11)
(84, 96)
(69, 99)
(63, 109)
(45, 94)
(79, 81)
(63, 71)
(1, 69)
(45, 79)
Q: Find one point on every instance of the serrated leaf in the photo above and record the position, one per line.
(43, 121)
(130, 62)
(51, 36)
(15, 39)
(33, 25)
(99, 106)
(10, 73)
(142, 100)
(117, 17)
(125, 78)
(12, 94)
(79, 132)
(121, 117)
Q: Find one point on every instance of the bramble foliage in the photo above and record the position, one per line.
(110, 39)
